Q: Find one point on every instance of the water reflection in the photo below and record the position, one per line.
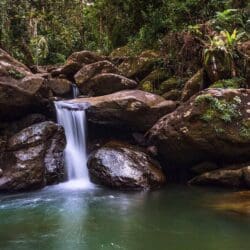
(63, 218)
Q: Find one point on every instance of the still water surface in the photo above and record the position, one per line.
(175, 218)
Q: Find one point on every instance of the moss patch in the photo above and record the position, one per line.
(233, 83)
(16, 74)
(222, 110)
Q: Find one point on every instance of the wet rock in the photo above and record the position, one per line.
(212, 126)
(30, 155)
(232, 176)
(125, 167)
(132, 109)
(236, 202)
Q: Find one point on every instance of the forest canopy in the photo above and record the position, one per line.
(48, 31)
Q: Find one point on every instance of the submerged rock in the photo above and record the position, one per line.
(33, 157)
(132, 109)
(123, 166)
(233, 176)
(212, 126)
(237, 202)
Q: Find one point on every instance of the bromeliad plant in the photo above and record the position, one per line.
(219, 54)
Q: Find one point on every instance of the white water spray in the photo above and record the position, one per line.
(74, 123)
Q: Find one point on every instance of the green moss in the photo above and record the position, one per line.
(222, 110)
(147, 86)
(233, 83)
(16, 74)
(245, 129)
(170, 84)
(156, 77)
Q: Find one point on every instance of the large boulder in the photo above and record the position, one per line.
(214, 125)
(131, 109)
(123, 166)
(107, 83)
(60, 86)
(87, 72)
(232, 176)
(33, 158)
(21, 92)
(75, 62)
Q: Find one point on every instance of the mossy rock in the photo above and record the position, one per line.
(124, 51)
(233, 83)
(147, 87)
(173, 95)
(155, 78)
(193, 85)
(138, 67)
(170, 84)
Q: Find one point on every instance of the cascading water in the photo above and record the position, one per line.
(75, 91)
(74, 123)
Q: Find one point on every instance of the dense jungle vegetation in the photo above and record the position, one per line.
(46, 31)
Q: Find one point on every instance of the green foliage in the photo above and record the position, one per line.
(222, 110)
(233, 83)
(48, 31)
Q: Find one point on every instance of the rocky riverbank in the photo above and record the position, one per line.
(145, 127)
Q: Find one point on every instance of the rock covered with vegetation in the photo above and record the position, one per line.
(212, 125)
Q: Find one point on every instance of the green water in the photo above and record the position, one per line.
(176, 218)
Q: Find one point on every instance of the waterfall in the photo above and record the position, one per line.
(74, 123)
(75, 91)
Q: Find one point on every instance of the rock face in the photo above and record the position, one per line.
(233, 176)
(126, 167)
(21, 92)
(132, 109)
(214, 125)
(59, 86)
(75, 62)
(87, 72)
(33, 157)
(104, 84)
